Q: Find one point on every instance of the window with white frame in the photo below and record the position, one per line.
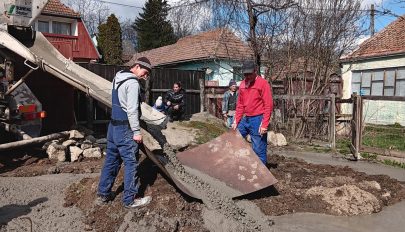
(356, 82)
(43, 26)
(400, 82)
(57, 27)
(381, 82)
(61, 28)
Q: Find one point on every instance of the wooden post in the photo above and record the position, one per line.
(89, 112)
(202, 94)
(147, 91)
(361, 121)
(354, 125)
(332, 121)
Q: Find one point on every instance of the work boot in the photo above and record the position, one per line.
(103, 200)
(139, 202)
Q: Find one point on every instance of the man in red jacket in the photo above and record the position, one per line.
(253, 110)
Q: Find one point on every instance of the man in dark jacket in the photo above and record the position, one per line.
(175, 101)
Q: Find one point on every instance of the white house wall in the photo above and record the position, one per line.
(377, 112)
(384, 112)
(221, 70)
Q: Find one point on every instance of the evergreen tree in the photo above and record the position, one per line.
(152, 27)
(109, 41)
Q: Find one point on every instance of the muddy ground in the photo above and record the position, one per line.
(302, 187)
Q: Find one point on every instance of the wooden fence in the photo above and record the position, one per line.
(89, 112)
(320, 124)
(162, 80)
(376, 138)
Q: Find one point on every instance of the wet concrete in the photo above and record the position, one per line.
(390, 219)
(368, 167)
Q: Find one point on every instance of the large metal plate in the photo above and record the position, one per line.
(231, 160)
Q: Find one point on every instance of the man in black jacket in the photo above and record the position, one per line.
(175, 101)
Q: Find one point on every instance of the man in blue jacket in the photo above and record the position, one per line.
(124, 136)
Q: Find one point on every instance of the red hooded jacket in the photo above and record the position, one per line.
(255, 98)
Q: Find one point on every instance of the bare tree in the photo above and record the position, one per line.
(129, 34)
(300, 41)
(190, 17)
(307, 51)
(93, 13)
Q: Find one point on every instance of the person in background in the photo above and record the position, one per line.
(159, 105)
(175, 102)
(3, 81)
(253, 109)
(124, 136)
(229, 103)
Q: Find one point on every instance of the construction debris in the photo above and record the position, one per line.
(74, 149)
(75, 153)
(92, 153)
(276, 139)
(56, 152)
(75, 134)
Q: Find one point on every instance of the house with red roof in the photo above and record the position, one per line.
(218, 52)
(66, 31)
(64, 28)
(377, 68)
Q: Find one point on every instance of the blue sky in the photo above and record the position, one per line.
(381, 20)
(124, 12)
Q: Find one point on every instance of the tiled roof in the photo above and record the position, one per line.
(389, 41)
(219, 43)
(55, 7)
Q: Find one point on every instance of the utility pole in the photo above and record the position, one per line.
(372, 14)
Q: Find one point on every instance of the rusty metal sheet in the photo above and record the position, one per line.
(231, 160)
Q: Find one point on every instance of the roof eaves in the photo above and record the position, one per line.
(184, 61)
(198, 59)
(371, 57)
(61, 15)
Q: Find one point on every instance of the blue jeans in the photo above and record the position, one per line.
(120, 148)
(251, 125)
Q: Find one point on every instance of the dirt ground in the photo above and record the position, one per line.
(34, 162)
(302, 187)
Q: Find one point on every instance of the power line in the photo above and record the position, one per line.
(384, 12)
(119, 4)
(139, 7)
(330, 9)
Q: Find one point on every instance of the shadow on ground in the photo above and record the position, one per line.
(9, 212)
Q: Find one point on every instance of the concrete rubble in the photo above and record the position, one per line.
(75, 153)
(276, 139)
(56, 152)
(76, 147)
